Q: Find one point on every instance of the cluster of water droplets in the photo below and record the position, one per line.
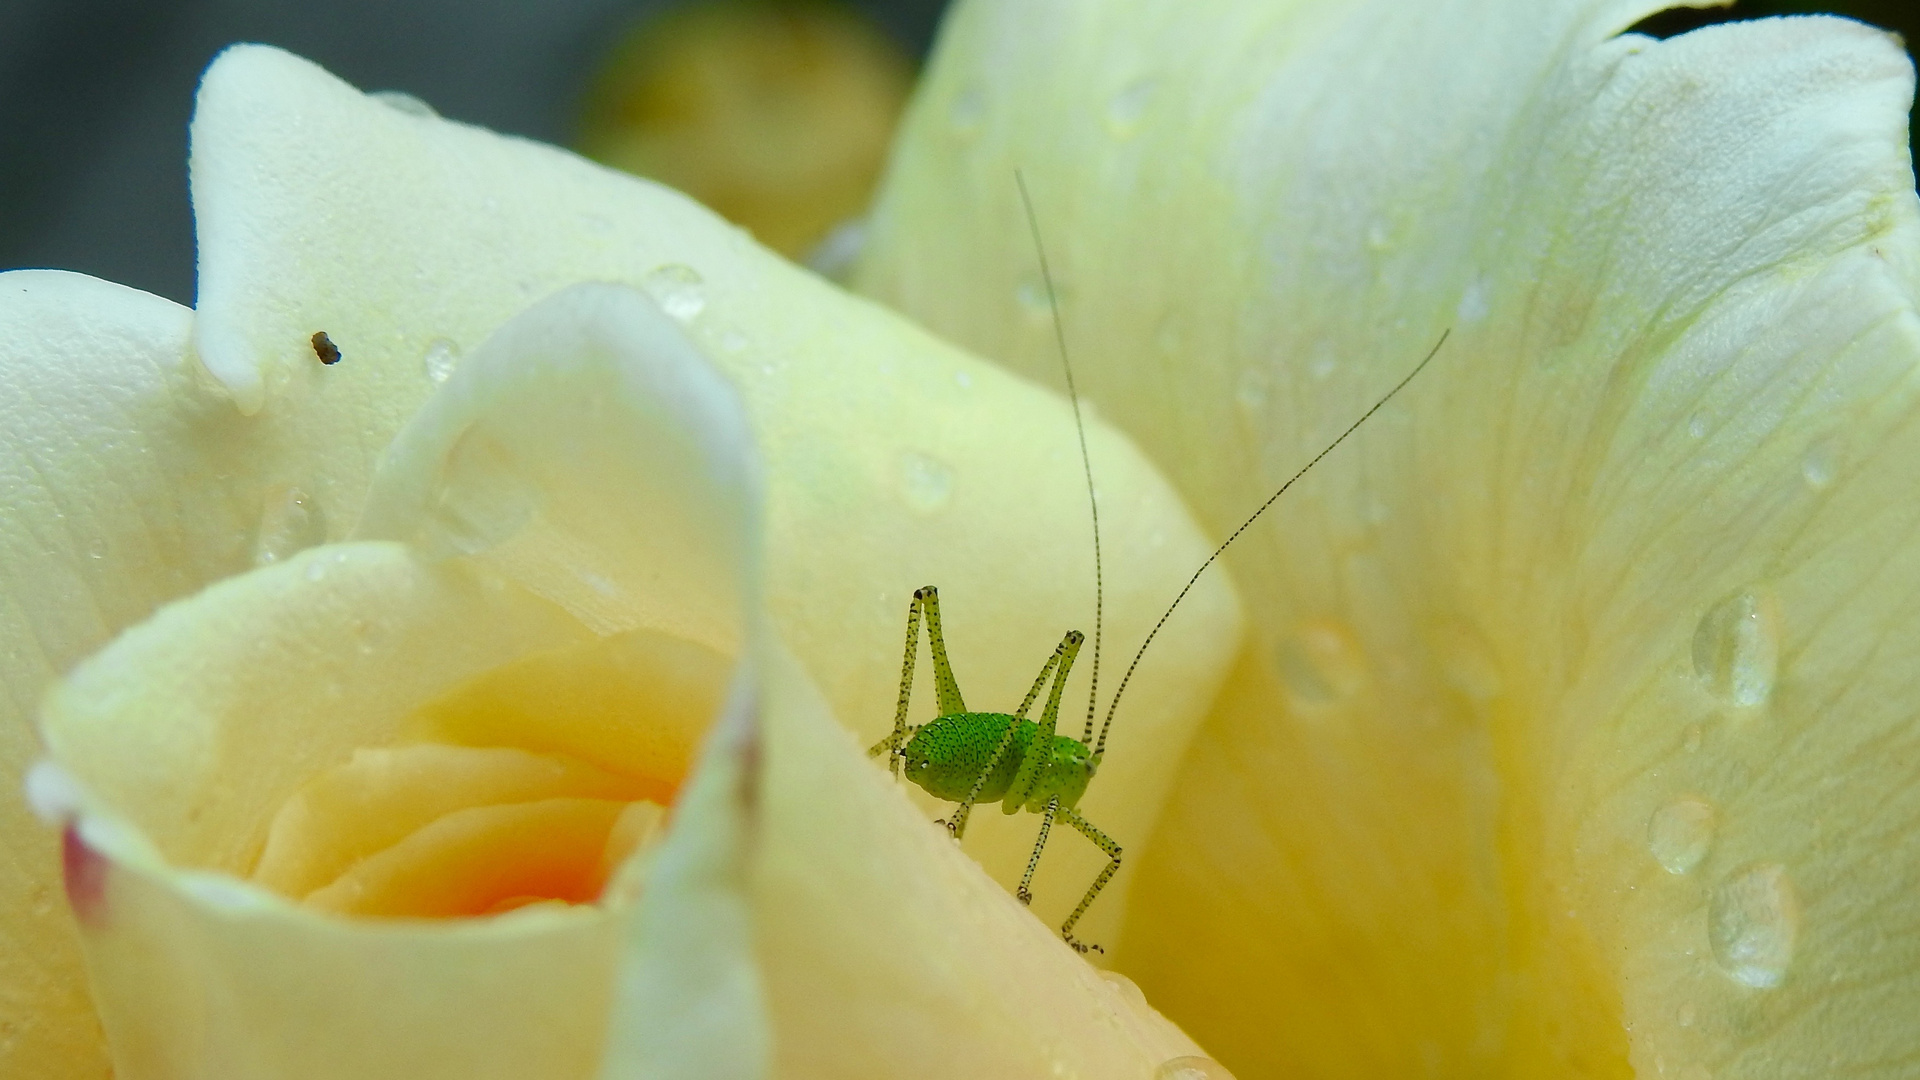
(441, 358)
(1753, 912)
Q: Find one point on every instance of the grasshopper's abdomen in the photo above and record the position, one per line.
(947, 756)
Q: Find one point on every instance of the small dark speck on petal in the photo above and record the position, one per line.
(324, 348)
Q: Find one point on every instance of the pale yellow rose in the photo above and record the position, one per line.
(476, 588)
(1447, 819)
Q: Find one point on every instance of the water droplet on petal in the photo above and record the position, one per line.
(1321, 665)
(1736, 648)
(1126, 989)
(1031, 295)
(290, 522)
(1127, 107)
(925, 483)
(1679, 834)
(678, 289)
(1753, 918)
(97, 548)
(968, 109)
(440, 358)
(1250, 393)
(1468, 662)
(401, 101)
(1817, 467)
(482, 500)
(1474, 304)
(1191, 1067)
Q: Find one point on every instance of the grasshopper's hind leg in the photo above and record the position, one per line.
(1104, 843)
(945, 688)
(896, 740)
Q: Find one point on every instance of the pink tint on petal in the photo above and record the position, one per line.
(86, 877)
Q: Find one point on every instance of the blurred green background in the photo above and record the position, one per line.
(775, 112)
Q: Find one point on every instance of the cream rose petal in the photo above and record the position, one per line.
(186, 733)
(126, 483)
(893, 460)
(1576, 731)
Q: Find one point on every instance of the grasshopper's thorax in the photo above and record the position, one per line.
(947, 756)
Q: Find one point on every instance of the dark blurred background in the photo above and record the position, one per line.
(95, 94)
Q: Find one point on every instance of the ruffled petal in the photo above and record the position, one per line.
(125, 484)
(1572, 735)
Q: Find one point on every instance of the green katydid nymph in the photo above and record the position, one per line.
(967, 757)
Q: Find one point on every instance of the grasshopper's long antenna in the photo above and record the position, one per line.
(1100, 746)
(1080, 428)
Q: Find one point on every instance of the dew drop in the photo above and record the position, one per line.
(1031, 295)
(1473, 305)
(1321, 665)
(1127, 107)
(1191, 1067)
(441, 357)
(1250, 392)
(401, 101)
(290, 522)
(1679, 834)
(968, 109)
(481, 501)
(678, 289)
(1468, 662)
(1753, 917)
(97, 548)
(925, 483)
(1127, 989)
(1817, 467)
(1736, 649)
